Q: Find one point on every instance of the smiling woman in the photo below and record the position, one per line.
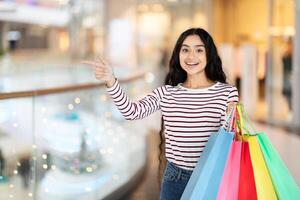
(193, 58)
(193, 103)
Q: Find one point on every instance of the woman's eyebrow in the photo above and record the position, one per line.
(198, 45)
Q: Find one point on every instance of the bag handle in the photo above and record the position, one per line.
(235, 121)
(243, 121)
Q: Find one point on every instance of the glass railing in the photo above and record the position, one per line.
(69, 142)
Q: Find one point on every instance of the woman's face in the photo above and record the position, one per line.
(192, 55)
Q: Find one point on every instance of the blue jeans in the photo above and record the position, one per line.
(174, 181)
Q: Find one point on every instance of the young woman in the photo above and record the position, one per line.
(193, 103)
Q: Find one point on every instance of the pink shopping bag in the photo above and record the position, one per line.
(229, 186)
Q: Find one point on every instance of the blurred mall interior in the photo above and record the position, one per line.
(62, 138)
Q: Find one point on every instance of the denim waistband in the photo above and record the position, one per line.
(178, 171)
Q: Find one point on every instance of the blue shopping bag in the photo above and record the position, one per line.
(196, 173)
(206, 177)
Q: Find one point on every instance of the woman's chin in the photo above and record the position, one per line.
(195, 71)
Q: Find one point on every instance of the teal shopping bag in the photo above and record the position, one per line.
(284, 184)
(206, 177)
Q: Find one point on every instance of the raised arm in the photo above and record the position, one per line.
(135, 110)
(130, 110)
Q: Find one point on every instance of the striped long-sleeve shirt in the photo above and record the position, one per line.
(189, 116)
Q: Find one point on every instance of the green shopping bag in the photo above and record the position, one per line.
(284, 183)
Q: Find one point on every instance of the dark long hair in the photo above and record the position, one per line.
(176, 74)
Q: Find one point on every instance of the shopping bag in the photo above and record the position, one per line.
(210, 152)
(238, 179)
(210, 172)
(198, 168)
(285, 185)
(263, 181)
(230, 181)
(247, 188)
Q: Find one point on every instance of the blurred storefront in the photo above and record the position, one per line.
(33, 24)
(256, 40)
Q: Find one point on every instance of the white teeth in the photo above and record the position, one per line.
(192, 63)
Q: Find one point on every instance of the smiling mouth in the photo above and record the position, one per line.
(191, 64)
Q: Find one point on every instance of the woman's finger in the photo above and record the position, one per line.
(93, 63)
(99, 59)
(99, 68)
(88, 62)
(99, 73)
(100, 65)
(103, 61)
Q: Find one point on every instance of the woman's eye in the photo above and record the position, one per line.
(184, 50)
(199, 50)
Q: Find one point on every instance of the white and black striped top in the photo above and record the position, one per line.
(189, 115)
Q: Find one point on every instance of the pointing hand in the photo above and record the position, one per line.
(102, 70)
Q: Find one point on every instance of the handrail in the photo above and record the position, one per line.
(40, 92)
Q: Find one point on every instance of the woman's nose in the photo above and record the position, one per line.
(191, 54)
